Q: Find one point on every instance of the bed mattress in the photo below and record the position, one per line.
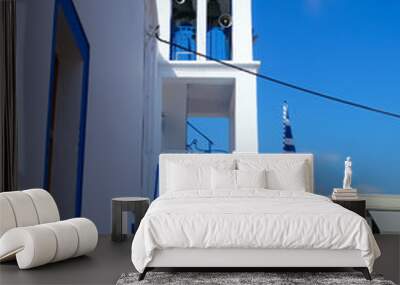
(250, 219)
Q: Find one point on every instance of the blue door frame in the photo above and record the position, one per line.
(68, 9)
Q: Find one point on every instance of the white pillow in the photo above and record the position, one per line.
(237, 179)
(291, 175)
(183, 177)
(189, 175)
(223, 179)
(291, 180)
(251, 178)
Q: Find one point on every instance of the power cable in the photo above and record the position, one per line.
(281, 82)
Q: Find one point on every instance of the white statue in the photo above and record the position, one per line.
(347, 173)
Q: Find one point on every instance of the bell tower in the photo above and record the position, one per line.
(193, 86)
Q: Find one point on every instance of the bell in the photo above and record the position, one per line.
(225, 21)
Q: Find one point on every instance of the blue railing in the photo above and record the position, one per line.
(193, 144)
(194, 147)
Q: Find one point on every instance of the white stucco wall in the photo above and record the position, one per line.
(232, 122)
(174, 116)
(151, 135)
(246, 125)
(164, 17)
(114, 132)
(242, 29)
(201, 28)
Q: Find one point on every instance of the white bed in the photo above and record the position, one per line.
(248, 227)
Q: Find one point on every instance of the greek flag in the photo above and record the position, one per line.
(288, 145)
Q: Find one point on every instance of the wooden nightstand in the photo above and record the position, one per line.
(358, 206)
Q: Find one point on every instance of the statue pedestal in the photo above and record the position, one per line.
(350, 190)
(344, 194)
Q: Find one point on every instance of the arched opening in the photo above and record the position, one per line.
(183, 29)
(219, 29)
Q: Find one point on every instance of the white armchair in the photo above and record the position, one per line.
(31, 230)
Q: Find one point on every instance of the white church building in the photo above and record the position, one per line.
(192, 86)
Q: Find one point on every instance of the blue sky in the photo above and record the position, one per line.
(349, 49)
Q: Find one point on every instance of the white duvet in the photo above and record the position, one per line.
(250, 219)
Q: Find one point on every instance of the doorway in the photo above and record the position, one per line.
(198, 115)
(67, 111)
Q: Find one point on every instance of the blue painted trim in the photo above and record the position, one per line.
(156, 187)
(70, 13)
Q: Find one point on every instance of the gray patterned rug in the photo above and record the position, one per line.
(236, 278)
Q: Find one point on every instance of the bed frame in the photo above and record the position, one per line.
(245, 259)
